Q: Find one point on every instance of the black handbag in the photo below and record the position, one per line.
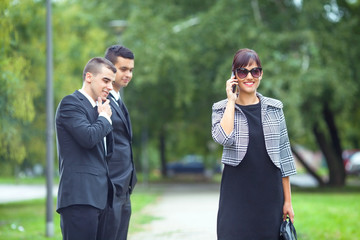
(287, 230)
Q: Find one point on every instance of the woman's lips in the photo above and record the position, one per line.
(249, 84)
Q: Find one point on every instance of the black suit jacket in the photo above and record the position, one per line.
(80, 132)
(121, 165)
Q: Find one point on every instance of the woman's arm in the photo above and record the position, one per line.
(227, 122)
(287, 208)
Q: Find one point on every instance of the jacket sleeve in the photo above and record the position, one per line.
(217, 132)
(287, 162)
(74, 118)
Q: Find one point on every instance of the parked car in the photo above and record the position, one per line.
(188, 164)
(352, 161)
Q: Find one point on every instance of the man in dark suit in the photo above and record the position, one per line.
(121, 165)
(84, 141)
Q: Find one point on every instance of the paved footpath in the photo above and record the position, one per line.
(184, 211)
(13, 193)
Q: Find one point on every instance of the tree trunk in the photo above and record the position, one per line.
(330, 122)
(308, 168)
(336, 178)
(335, 143)
(162, 153)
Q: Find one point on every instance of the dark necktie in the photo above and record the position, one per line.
(96, 112)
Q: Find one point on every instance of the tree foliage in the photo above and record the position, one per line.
(16, 93)
(186, 59)
(23, 71)
(183, 56)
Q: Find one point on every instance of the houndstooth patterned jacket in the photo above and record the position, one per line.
(275, 133)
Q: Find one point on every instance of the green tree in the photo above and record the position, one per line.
(183, 52)
(186, 58)
(16, 93)
(163, 83)
(324, 76)
(78, 35)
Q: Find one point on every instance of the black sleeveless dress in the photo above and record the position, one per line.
(251, 194)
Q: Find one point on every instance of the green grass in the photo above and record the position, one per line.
(26, 180)
(139, 200)
(26, 220)
(327, 215)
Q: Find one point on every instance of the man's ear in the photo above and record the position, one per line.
(88, 77)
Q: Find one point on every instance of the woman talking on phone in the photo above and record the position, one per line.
(255, 194)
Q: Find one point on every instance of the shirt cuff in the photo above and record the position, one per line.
(103, 114)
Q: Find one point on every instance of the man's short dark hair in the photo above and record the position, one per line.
(94, 66)
(115, 51)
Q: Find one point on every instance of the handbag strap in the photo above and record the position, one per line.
(292, 227)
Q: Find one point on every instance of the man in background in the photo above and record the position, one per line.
(121, 165)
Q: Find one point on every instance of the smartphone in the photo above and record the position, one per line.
(233, 86)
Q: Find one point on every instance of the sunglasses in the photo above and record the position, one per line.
(243, 72)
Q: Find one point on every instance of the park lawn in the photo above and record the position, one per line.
(327, 216)
(26, 180)
(139, 200)
(26, 220)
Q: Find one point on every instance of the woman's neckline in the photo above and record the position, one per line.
(255, 102)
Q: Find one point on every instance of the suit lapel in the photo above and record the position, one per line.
(128, 119)
(89, 108)
(120, 113)
(92, 112)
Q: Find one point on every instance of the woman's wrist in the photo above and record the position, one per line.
(231, 102)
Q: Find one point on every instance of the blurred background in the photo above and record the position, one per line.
(310, 55)
(309, 50)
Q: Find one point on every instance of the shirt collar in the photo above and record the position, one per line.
(265, 101)
(93, 103)
(116, 95)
